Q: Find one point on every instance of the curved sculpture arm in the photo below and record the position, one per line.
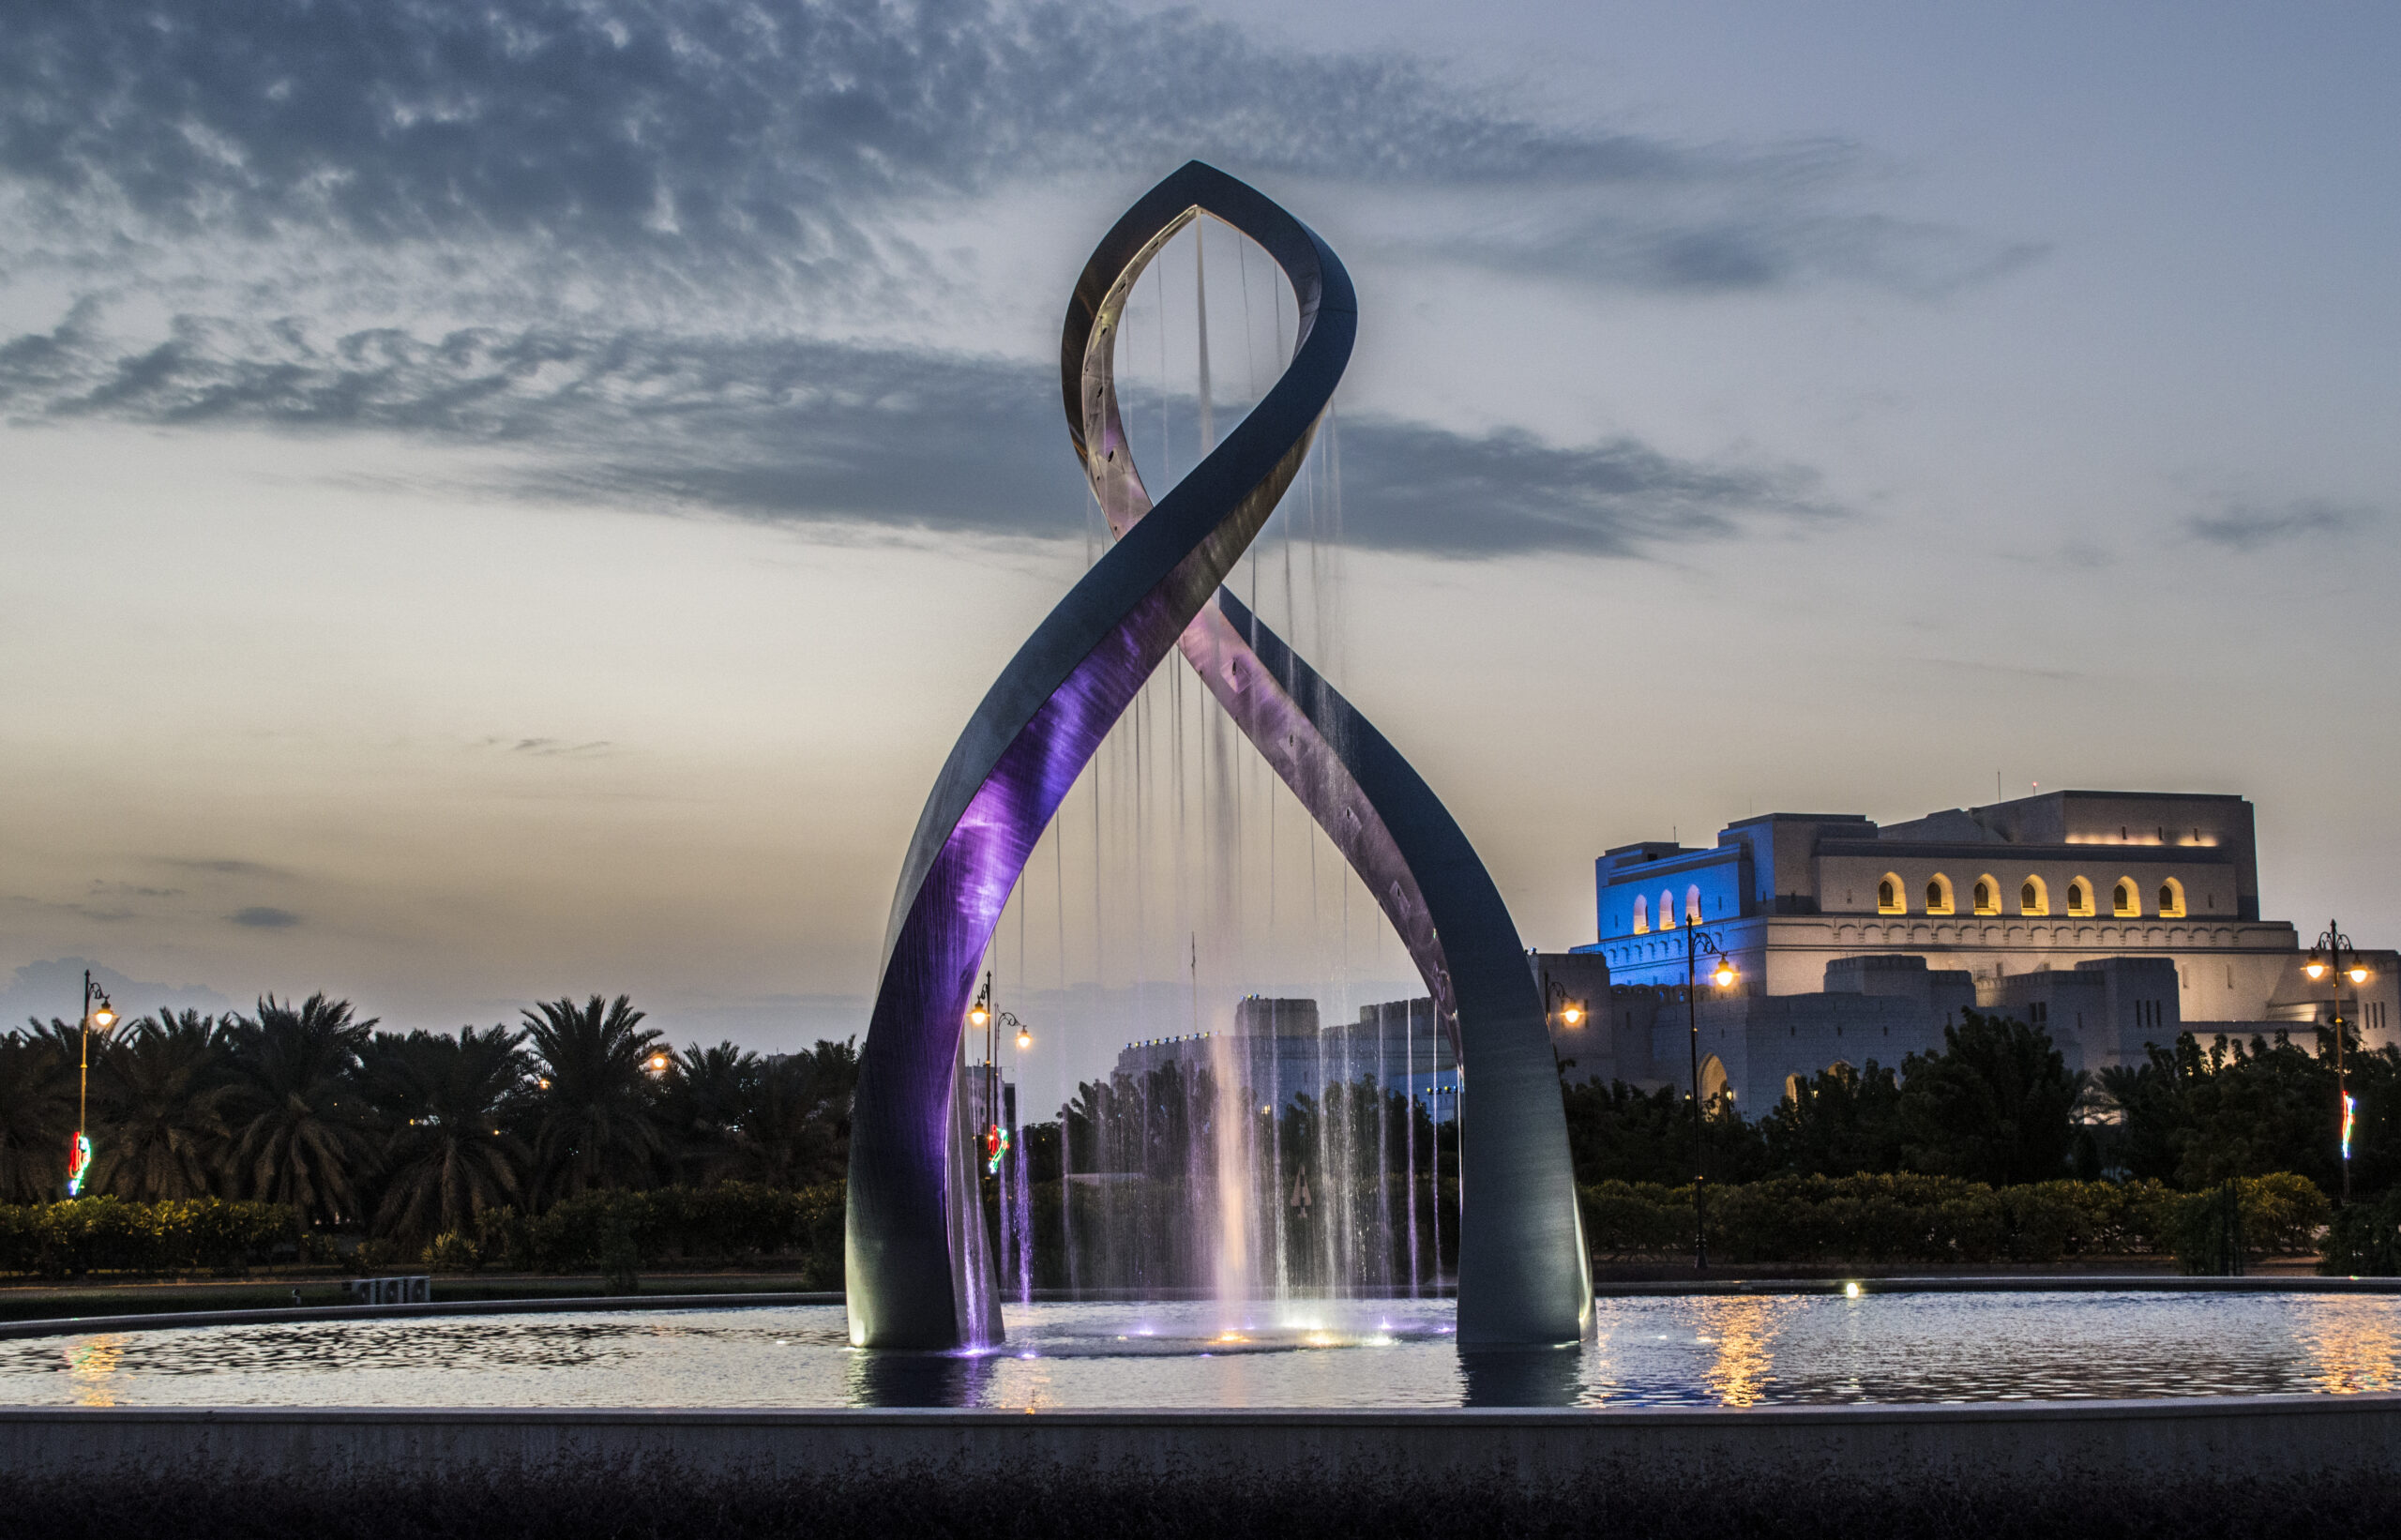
(1525, 1279)
(1524, 1275)
(915, 1270)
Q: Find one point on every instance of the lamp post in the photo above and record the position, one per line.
(1697, 941)
(1558, 1005)
(2326, 962)
(102, 1016)
(981, 1014)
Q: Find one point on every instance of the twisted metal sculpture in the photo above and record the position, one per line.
(919, 1274)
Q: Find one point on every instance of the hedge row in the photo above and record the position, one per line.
(617, 1231)
(1859, 1220)
(1909, 1218)
(96, 1234)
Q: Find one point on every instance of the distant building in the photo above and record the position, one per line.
(2113, 919)
(1279, 1050)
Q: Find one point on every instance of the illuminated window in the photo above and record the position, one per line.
(1888, 896)
(1692, 904)
(1988, 895)
(2080, 899)
(1641, 914)
(2124, 899)
(1716, 1087)
(1938, 895)
(2033, 898)
(1667, 910)
(2171, 900)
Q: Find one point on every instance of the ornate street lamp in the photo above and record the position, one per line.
(1697, 941)
(2325, 962)
(981, 1014)
(99, 1015)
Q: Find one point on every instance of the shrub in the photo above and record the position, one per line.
(452, 1252)
(2208, 1232)
(2284, 1214)
(733, 1221)
(109, 1235)
(504, 1239)
(1906, 1218)
(2279, 1214)
(2364, 1240)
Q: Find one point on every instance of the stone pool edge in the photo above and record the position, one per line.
(1967, 1444)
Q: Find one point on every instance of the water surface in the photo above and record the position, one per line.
(1651, 1352)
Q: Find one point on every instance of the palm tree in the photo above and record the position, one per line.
(453, 1156)
(37, 1116)
(701, 1102)
(297, 1119)
(795, 1127)
(162, 1089)
(596, 1123)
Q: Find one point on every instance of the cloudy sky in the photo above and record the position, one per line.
(518, 499)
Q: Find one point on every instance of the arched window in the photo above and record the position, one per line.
(1988, 895)
(2171, 900)
(1888, 895)
(1692, 904)
(2033, 898)
(1667, 910)
(1641, 914)
(1716, 1087)
(2080, 899)
(2125, 899)
(1938, 895)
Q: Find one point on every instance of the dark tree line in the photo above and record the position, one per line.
(1998, 1104)
(2199, 1113)
(410, 1135)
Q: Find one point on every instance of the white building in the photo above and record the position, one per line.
(2114, 919)
(1279, 1052)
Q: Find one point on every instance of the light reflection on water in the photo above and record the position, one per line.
(1693, 1351)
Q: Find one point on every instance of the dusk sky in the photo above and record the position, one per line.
(515, 500)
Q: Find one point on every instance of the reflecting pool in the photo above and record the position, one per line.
(1698, 1351)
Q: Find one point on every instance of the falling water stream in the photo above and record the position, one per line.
(1180, 1127)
